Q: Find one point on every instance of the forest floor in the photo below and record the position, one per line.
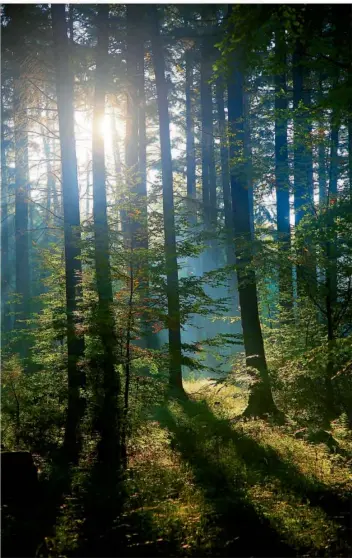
(203, 483)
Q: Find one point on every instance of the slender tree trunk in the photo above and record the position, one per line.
(226, 191)
(260, 400)
(331, 256)
(299, 167)
(50, 188)
(205, 140)
(136, 159)
(21, 207)
(5, 272)
(208, 160)
(190, 143)
(109, 445)
(225, 171)
(303, 173)
(282, 177)
(332, 198)
(173, 297)
(73, 268)
(350, 155)
(70, 22)
(248, 158)
(321, 154)
(132, 96)
(142, 130)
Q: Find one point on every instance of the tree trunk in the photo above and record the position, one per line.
(190, 144)
(303, 172)
(21, 206)
(208, 160)
(282, 177)
(50, 188)
(331, 256)
(225, 172)
(247, 152)
(226, 192)
(173, 297)
(73, 268)
(132, 94)
(321, 154)
(260, 400)
(136, 160)
(5, 275)
(350, 156)
(109, 444)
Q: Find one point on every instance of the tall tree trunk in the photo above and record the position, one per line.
(321, 153)
(260, 400)
(50, 188)
(73, 268)
(350, 155)
(136, 159)
(282, 176)
(225, 172)
(303, 172)
(226, 191)
(331, 257)
(132, 95)
(21, 206)
(5, 272)
(248, 158)
(208, 160)
(173, 297)
(109, 445)
(299, 166)
(332, 198)
(190, 143)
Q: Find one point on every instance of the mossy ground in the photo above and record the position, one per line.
(203, 482)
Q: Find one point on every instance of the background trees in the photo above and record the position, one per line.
(176, 201)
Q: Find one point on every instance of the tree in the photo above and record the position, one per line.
(225, 173)
(73, 268)
(190, 140)
(5, 274)
(282, 174)
(208, 160)
(303, 166)
(260, 400)
(172, 288)
(109, 445)
(21, 201)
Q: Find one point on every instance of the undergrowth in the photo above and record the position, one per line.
(203, 482)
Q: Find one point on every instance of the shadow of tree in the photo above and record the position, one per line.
(243, 531)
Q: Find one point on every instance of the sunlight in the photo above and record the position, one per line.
(105, 128)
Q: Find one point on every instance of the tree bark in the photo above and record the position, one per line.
(350, 155)
(173, 297)
(282, 177)
(109, 445)
(21, 206)
(260, 399)
(321, 154)
(190, 143)
(208, 160)
(225, 172)
(5, 271)
(303, 172)
(73, 268)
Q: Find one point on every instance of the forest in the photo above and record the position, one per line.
(176, 280)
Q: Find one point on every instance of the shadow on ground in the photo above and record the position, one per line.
(242, 531)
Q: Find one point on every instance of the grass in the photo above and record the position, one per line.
(212, 485)
(201, 482)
